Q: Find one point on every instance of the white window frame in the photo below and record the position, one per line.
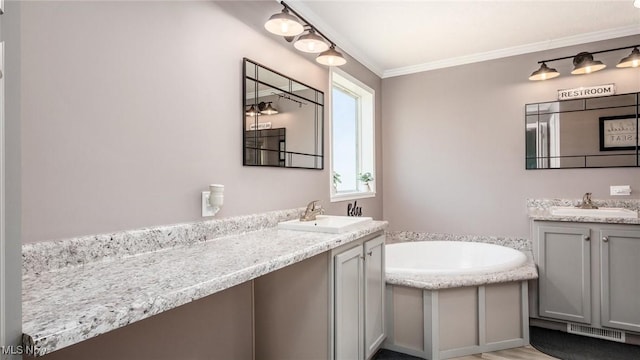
(366, 134)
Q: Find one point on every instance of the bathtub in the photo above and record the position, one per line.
(447, 299)
(450, 258)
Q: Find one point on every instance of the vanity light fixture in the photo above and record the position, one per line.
(284, 24)
(584, 63)
(632, 60)
(267, 109)
(331, 57)
(544, 73)
(252, 111)
(312, 42)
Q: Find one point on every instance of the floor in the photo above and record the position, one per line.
(522, 353)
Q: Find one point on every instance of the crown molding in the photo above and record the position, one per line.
(515, 50)
(341, 41)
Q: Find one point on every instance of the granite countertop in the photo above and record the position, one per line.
(64, 306)
(527, 271)
(539, 209)
(544, 214)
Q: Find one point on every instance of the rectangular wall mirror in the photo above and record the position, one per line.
(583, 133)
(282, 120)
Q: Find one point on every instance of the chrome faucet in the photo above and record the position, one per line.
(586, 202)
(313, 209)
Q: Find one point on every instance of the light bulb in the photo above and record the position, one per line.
(636, 63)
(587, 70)
(311, 46)
(284, 27)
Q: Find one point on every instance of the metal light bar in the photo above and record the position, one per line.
(591, 52)
(307, 22)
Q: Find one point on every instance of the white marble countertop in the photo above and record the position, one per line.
(64, 306)
(527, 271)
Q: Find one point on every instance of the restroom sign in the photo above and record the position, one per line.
(587, 92)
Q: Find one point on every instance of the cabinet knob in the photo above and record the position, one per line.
(587, 238)
(370, 253)
(605, 239)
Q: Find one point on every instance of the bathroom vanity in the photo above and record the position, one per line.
(344, 285)
(588, 274)
(256, 291)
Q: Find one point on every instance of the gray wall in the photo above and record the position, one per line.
(130, 109)
(11, 262)
(454, 143)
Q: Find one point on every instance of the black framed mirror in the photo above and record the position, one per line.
(283, 120)
(595, 132)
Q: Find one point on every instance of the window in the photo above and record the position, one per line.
(352, 138)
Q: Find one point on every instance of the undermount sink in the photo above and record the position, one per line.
(324, 223)
(600, 213)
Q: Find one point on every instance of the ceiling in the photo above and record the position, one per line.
(394, 38)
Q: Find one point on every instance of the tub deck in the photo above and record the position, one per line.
(439, 316)
(527, 271)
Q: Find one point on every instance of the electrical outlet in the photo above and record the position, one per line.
(620, 190)
(207, 209)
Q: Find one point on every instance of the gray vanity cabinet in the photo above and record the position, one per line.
(589, 273)
(359, 283)
(564, 267)
(374, 292)
(620, 279)
(348, 304)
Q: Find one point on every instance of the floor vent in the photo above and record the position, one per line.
(614, 335)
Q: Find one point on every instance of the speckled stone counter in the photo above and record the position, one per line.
(63, 305)
(527, 271)
(538, 209)
(512, 242)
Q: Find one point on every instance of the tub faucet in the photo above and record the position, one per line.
(313, 209)
(586, 202)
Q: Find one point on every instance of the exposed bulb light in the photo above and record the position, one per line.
(544, 73)
(289, 26)
(252, 111)
(584, 64)
(637, 4)
(284, 24)
(267, 109)
(311, 43)
(632, 60)
(331, 57)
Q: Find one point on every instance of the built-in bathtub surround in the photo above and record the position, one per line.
(451, 257)
(177, 264)
(51, 255)
(526, 271)
(440, 316)
(538, 209)
(512, 242)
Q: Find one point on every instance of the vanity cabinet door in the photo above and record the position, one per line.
(349, 304)
(374, 286)
(564, 266)
(620, 279)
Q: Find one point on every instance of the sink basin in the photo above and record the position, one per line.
(324, 223)
(600, 213)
